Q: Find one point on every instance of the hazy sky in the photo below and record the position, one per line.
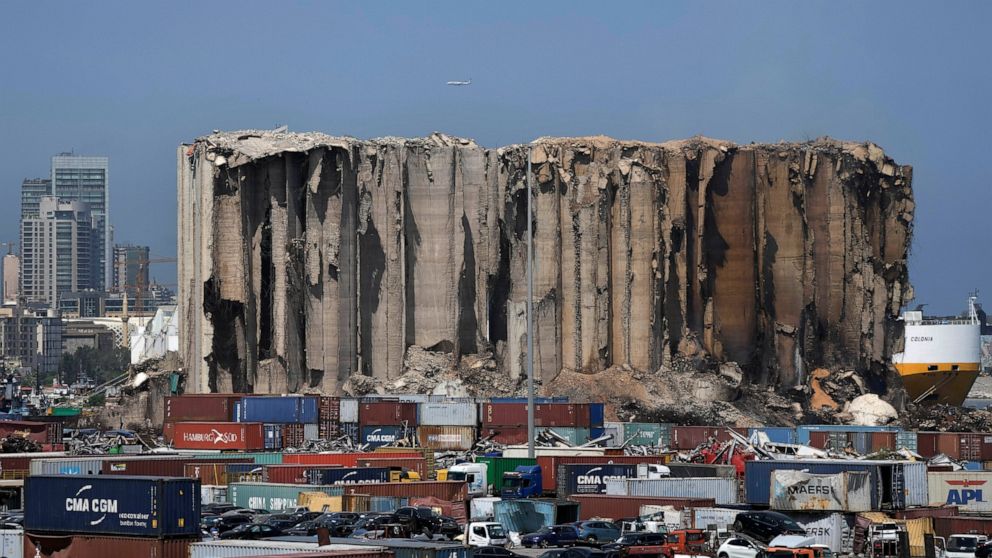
(131, 80)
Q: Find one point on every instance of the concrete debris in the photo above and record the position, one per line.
(870, 410)
(945, 418)
(309, 260)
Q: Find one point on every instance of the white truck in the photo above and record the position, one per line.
(472, 473)
(484, 533)
(963, 546)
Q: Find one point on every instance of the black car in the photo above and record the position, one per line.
(230, 522)
(281, 521)
(372, 523)
(218, 508)
(448, 527)
(635, 539)
(984, 550)
(766, 525)
(494, 552)
(577, 552)
(252, 531)
(419, 520)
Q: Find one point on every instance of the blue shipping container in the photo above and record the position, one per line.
(777, 434)
(273, 436)
(590, 478)
(802, 432)
(376, 436)
(291, 409)
(348, 475)
(597, 413)
(112, 505)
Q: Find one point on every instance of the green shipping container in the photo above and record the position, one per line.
(64, 411)
(260, 457)
(273, 496)
(496, 466)
(647, 434)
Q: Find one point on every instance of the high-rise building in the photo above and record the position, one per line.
(57, 251)
(86, 179)
(32, 190)
(130, 268)
(11, 271)
(31, 336)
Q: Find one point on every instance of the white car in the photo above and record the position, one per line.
(737, 547)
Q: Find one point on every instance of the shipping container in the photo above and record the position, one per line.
(329, 409)
(722, 490)
(496, 466)
(170, 466)
(293, 473)
(549, 464)
(349, 410)
(506, 435)
(691, 437)
(894, 484)
(929, 511)
(504, 414)
(273, 437)
(216, 473)
(803, 431)
(344, 459)
(776, 434)
(67, 465)
(447, 414)
(86, 546)
(212, 494)
(591, 478)
(218, 435)
(597, 415)
(257, 457)
(329, 430)
(207, 407)
(387, 413)
(273, 496)
(968, 490)
(530, 515)
(442, 490)
(618, 507)
(11, 543)
(426, 453)
(833, 530)
(386, 504)
(849, 491)
(127, 506)
(352, 430)
(415, 464)
(575, 436)
(957, 525)
(349, 475)
(574, 415)
(906, 439)
(275, 409)
(41, 432)
(235, 549)
(711, 518)
(457, 438)
(481, 508)
(700, 470)
(18, 465)
(382, 435)
(645, 434)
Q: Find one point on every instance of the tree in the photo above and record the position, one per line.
(100, 365)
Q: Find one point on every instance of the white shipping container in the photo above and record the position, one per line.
(970, 491)
(723, 518)
(481, 509)
(447, 414)
(213, 494)
(795, 490)
(614, 429)
(311, 431)
(11, 543)
(722, 490)
(671, 517)
(349, 410)
(235, 549)
(831, 530)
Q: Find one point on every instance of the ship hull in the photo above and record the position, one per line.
(949, 386)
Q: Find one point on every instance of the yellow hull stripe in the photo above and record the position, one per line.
(917, 368)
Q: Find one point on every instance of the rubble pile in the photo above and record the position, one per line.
(311, 261)
(945, 418)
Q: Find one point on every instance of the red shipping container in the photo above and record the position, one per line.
(508, 435)
(561, 414)
(291, 474)
(916, 513)
(549, 464)
(970, 446)
(206, 407)
(341, 459)
(442, 490)
(293, 435)
(947, 526)
(883, 441)
(691, 437)
(80, 546)
(504, 414)
(244, 436)
(215, 473)
(158, 466)
(617, 507)
(330, 408)
(39, 432)
(387, 413)
(418, 464)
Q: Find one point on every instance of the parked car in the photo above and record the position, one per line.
(281, 521)
(252, 531)
(984, 550)
(642, 538)
(448, 527)
(371, 524)
(494, 552)
(230, 522)
(737, 547)
(766, 525)
(217, 508)
(419, 519)
(556, 535)
(593, 532)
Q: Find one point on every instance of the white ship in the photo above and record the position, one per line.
(941, 357)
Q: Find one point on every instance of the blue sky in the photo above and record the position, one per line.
(132, 80)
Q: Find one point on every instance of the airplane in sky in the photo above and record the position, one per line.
(459, 83)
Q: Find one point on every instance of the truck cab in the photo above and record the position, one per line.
(652, 471)
(472, 473)
(485, 533)
(524, 482)
(963, 546)
(687, 541)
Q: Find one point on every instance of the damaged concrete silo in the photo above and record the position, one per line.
(306, 259)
